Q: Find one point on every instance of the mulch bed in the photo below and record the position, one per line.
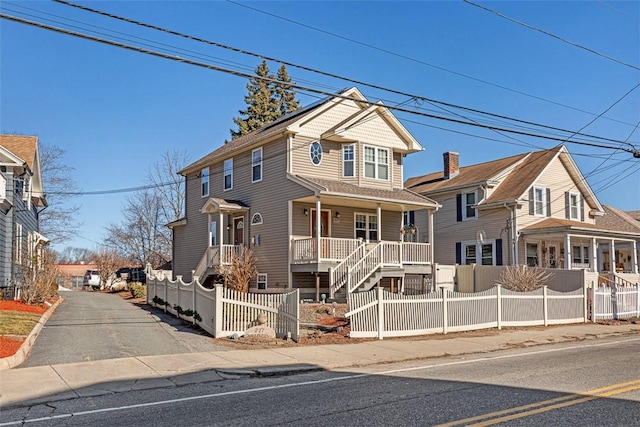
(10, 305)
(9, 344)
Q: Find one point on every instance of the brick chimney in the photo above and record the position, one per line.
(451, 164)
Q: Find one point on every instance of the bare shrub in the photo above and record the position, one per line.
(520, 278)
(238, 275)
(107, 261)
(39, 278)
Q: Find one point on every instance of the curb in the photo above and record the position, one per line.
(10, 362)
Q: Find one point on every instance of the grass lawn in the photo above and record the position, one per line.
(17, 322)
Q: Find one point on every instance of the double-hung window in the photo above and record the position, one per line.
(574, 206)
(539, 203)
(580, 254)
(228, 174)
(532, 254)
(474, 252)
(376, 163)
(469, 201)
(348, 160)
(256, 165)
(204, 182)
(366, 227)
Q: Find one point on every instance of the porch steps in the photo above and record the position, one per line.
(371, 281)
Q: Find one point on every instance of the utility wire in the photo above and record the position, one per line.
(313, 90)
(631, 18)
(324, 73)
(531, 27)
(418, 61)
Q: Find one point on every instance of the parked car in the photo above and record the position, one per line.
(92, 279)
(123, 272)
(137, 274)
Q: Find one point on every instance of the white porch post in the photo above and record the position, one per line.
(221, 230)
(567, 252)
(209, 218)
(430, 217)
(612, 257)
(379, 215)
(318, 227)
(594, 255)
(634, 257)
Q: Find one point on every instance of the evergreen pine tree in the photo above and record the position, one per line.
(262, 106)
(266, 100)
(286, 96)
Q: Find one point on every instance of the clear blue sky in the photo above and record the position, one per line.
(115, 111)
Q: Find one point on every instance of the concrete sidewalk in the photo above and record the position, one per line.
(65, 381)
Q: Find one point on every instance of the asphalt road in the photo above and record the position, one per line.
(591, 383)
(97, 326)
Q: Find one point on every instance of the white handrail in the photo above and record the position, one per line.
(339, 276)
(364, 268)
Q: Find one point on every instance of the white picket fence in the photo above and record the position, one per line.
(225, 312)
(615, 302)
(379, 313)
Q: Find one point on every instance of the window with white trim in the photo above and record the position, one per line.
(469, 201)
(474, 252)
(532, 254)
(348, 160)
(376, 163)
(228, 174)
(262, 280)
(214, 233)
(580, 254)
(204, 182)
(256, 165)
(574, 206)
(366, 226)
(256, 219)
(539, 202)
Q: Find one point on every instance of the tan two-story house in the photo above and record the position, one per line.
(317, 196)
(534, 208)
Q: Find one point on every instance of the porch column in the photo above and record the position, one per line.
(318, 227)
(209, 218)
(567, 252)
(430, 231)
(634, 257)
(221, 230)
(594, 256)
(379, 215)
(612, 257)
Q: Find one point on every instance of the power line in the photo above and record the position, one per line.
(317, 91)
(531, 27)
(327, 74)
(631, 18)
(418, 61)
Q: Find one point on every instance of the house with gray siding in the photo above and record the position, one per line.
(21, 200)
(318, 198)
(535, 209)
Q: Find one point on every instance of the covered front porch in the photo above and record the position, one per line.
(580, 246)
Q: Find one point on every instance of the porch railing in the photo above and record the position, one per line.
(364, 268)
(305, 250)
(339, 276)
(216, 255)
(580, 266)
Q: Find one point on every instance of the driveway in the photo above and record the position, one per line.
(95, 326)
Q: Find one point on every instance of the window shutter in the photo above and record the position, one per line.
(581, 208)
(458, 252)
(531, 202)
(567, 206)
(498, 251)
(548, 202)
(459, 207)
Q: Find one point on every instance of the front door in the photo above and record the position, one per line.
(238, 231)
(553, 256)
(324, 223)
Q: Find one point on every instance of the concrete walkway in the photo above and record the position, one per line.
(65, 381)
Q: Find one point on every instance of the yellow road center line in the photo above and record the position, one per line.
(596, 393)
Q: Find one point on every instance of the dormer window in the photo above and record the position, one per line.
(376, 163)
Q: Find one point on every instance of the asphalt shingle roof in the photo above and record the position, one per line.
(618, 220)
(22, 146)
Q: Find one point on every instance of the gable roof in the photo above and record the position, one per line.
(618, 220)
(21, 146)
(290, 124)
(634, 214)
(523, 171)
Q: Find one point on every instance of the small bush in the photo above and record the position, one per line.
(519, 278)
(138, 291)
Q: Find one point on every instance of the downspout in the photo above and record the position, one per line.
(513, 235)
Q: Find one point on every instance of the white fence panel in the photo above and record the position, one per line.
(467, 312)
(566, 307)
(522, 308)
(615, 303)
(486, 276)
(406, 315)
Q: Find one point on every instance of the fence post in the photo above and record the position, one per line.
(217, 313)
(499, 303)
(380, 297)
(445, 309)
(194, 282)
(637, 299)
(593, 304)
(545, 305)
(585, 295)
(165, 282)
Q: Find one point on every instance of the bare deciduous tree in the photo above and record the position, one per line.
(520, 278)
(107, 261)
(142, 235)
(243, 267)
(71, 255)
(58, 221)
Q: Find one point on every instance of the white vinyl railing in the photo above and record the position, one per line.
(339, 276)
(364, 268)
(615, 302)
(305, 250)
(379, 313)
(216, 255)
